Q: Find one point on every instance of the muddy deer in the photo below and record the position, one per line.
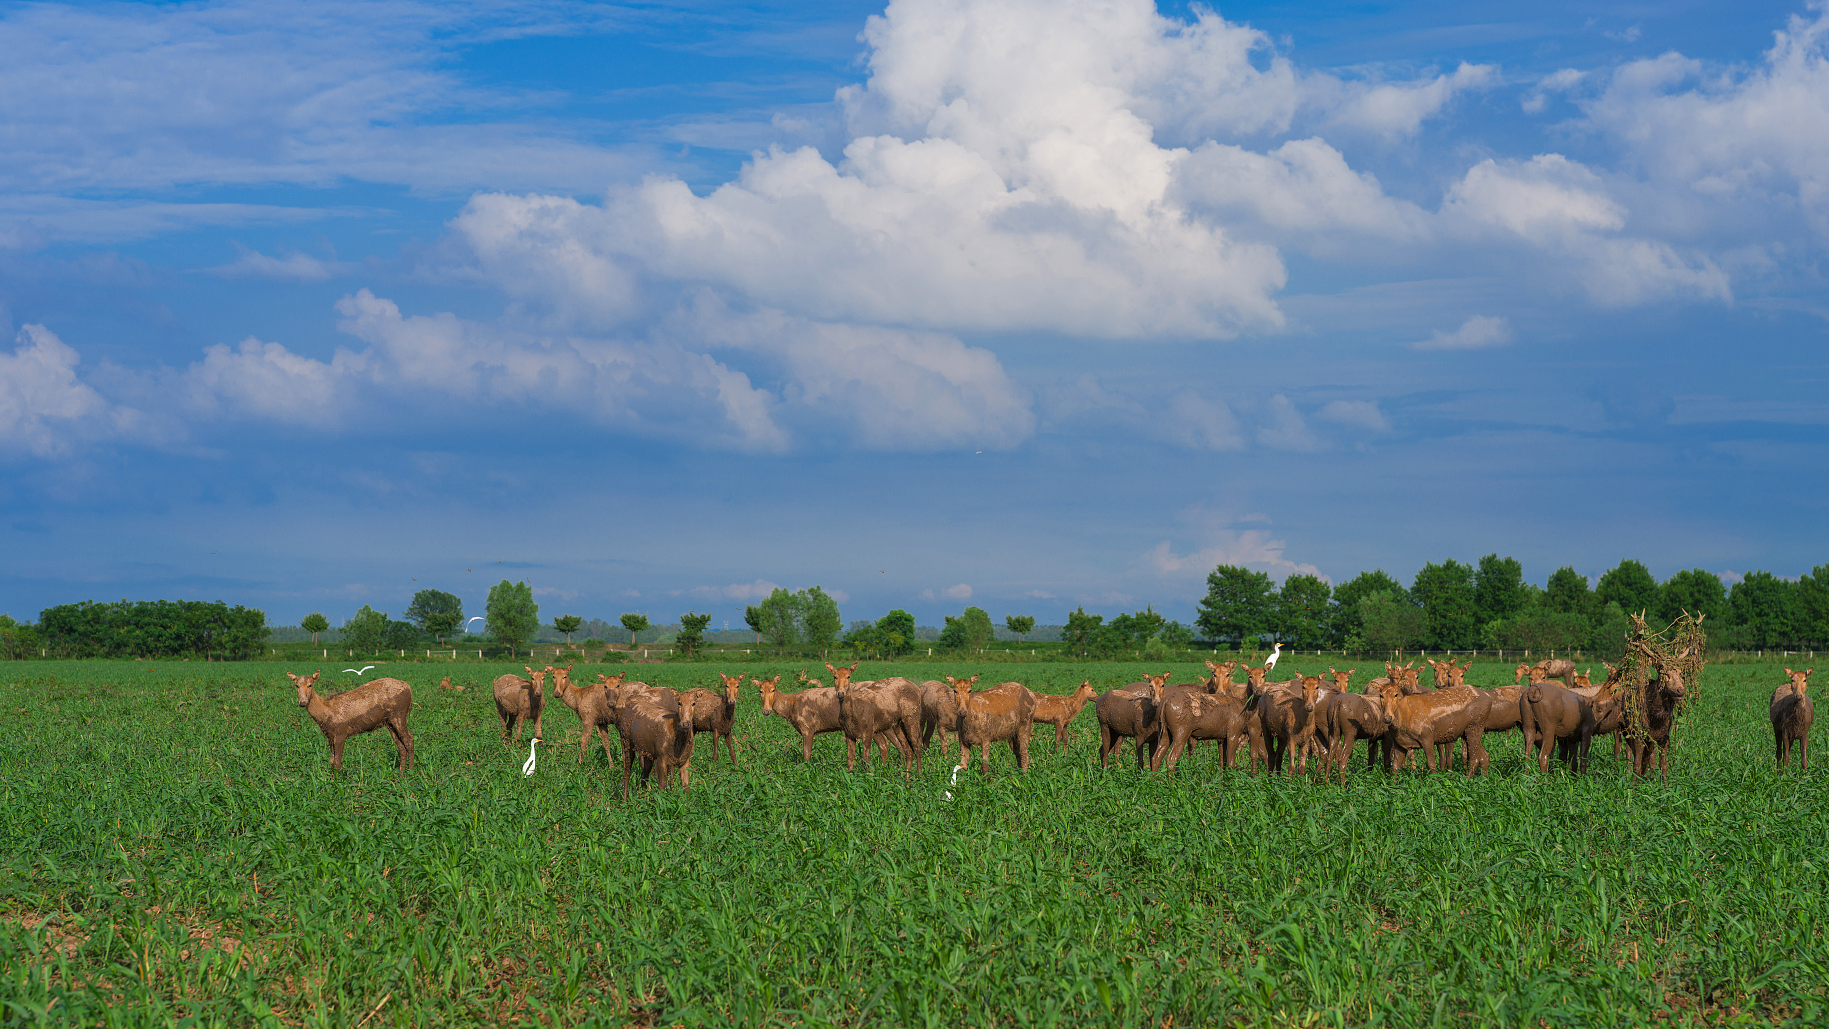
(939, 712)
(1792, 713)
(661, 738)
(1218, 717)
(1057, 710)
(1649, 743)
(811, 712)
(1005, 712)
(879, 709)
(517, 700)
(715, 712)
(1419, 721)
(1345, 717)
(594, 706)
(1286, 717)
(1551, 715)
(1129, 712)
(366, 708)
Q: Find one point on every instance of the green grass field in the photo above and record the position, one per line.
(176, 849)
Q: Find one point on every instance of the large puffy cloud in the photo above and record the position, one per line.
(45, 409)
(1753, 138)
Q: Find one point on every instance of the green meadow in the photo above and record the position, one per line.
(174, 849)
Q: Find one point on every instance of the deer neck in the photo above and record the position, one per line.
(318, 708)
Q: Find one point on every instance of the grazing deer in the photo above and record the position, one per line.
(714, 712)
(889, 708)
(660, 737)
(366, 708)
(1005, 712)
(594, 705)
(1551, 715)
(1792, 713)
(518, 699)
(1058, 711)
(811, 711)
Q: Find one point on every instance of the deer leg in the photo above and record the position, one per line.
(628, 762)
(806, 747)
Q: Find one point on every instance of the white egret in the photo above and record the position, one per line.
(478, 618)
(527, 769)
(1270, 662)
(362, 671)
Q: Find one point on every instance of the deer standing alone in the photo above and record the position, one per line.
(366, 708)
(1792, 713)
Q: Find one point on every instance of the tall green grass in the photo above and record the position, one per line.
(176, 849)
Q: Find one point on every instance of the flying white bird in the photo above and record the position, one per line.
(1270, 662)
(478, 618)
(362, 671)
(527, 769)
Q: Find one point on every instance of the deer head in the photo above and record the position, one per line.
(304, 687)
(1311, 691)
(1538, 673)
(1518, 676)
(1800, 681)
(731, 684)
(767, 686)
(562, 680)
(1342, 679)
(1085, 692)
(1457, 674)
(841, 677)
(962, 688)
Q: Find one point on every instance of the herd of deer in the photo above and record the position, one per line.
(1278, 724)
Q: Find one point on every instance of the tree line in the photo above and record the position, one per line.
(144, 628)
(1489, 606)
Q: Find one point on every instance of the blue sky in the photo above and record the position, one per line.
(1023, 304)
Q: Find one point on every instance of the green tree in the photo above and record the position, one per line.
(1767, 611)
(1630, 585)
(970, 631)
(510, 615)
(1021, 625)
(1498, 588)
(17, 639)
(1567, 592)
(1390, 621)
(779, 619)
(635, 623)
(315, 623)
(1175, 635)
(1607, 638)
(1697, 591)
(436, 612)
(1080, 630)
(567, 624)
(1301, 611)
(1237, 607)
(752, 617)
(819, 617)
(1346, 630)
(365, 630)
(896, 632)
(1543, 629)
(1445, 592)
(692, 632)
(1813, 606)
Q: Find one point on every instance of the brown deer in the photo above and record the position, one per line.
(1129, 712)
(879, 709)
(1792, 713)
(1057, 710)
(939, 711)
(1552, 668)
(366, 708)
(1285, 714)
(660, 737)
(1551, 715)
(594, 705)
(811, 711)
(1005, 712)
(1344, 717)
(714, 712)
(517, 700)
(1422, 720)
(1650, 743)
(1218, 717)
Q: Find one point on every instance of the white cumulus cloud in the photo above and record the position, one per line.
(1476, 333)
(45, 409)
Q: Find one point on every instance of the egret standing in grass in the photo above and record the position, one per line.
(527, 769)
